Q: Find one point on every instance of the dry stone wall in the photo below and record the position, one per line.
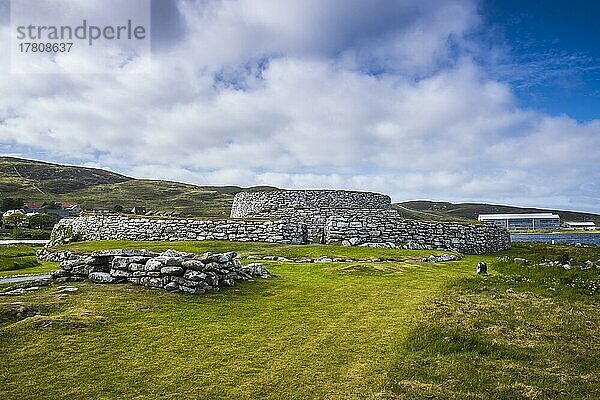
(248, 204)
(296, 217)
(468, 239)
(172, 270)
(315, 219)
(118, 227)
(310, 207)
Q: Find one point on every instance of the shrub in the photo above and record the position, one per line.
(40, 221)
(15, 220)
(36, 234)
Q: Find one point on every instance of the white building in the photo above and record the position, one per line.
(542, 221)
(588, 226)
(11, 212)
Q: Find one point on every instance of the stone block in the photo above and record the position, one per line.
(171, 270)
(101, 277)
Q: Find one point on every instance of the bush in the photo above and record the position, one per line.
(15, 263)
(15, 220)
(35, 234)
(41, 221)
(11, 204)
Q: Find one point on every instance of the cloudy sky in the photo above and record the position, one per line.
(488, 101)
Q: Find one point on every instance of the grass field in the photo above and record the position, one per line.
(356, 330)
(20, 259)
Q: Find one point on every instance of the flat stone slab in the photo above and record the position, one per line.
(16, 279)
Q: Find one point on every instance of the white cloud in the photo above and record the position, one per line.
(431, 125)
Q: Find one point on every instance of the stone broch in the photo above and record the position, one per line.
(296, 217)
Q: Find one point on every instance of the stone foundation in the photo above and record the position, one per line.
(464, 238)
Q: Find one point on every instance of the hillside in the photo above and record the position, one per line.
(90, 187)
(469, 211)
(24, 178)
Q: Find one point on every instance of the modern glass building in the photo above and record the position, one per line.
(517, 222)
(580, 225)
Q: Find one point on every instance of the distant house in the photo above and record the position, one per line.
(57, 212)
(588, 226)
(100, 210)
(541, 221)
(72, 208)
(138, 210)
(32, 205)
(11, 212)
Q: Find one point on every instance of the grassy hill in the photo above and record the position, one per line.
(27, 178)
(90, 187)
(469, 211)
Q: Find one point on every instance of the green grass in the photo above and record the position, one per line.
(20, 259)
(523, 332)
(351, 330)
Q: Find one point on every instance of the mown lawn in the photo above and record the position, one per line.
(20, 259)
(355, 330)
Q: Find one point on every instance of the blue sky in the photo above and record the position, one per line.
(554, 47)
(491, 101)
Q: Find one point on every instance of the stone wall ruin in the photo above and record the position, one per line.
(295, 217)
(310, 207)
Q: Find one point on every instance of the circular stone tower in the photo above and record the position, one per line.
(311, 207)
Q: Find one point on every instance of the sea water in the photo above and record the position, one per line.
(570, 238)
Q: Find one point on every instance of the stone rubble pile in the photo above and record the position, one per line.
(327, 259)
(25, 287)
(571, 264)
(442, 258)
(384, 245)
(54, 256)
(172, 270)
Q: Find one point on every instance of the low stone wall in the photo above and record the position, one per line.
(348, 229)
(172, 270)
(118, 227)
(468, 239)
(247, 204)
(315, 219)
